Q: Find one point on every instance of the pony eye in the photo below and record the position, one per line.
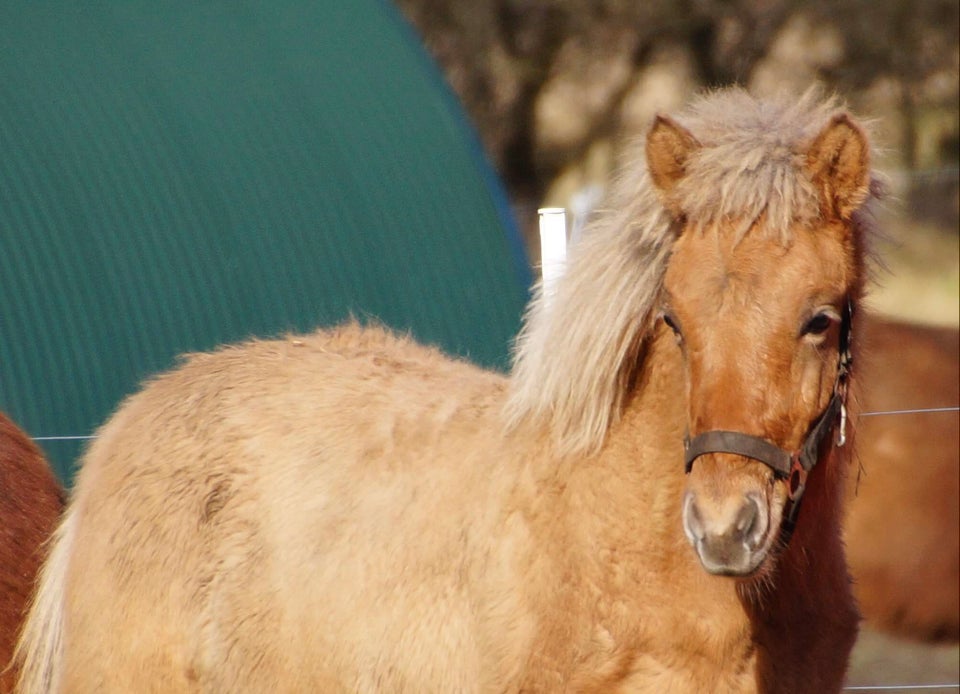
(672, 324)
(818, 325)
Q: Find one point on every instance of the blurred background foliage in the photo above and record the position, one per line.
(556, 87)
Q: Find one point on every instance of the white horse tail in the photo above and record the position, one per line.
(39, 650)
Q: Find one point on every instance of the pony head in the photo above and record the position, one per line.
(742, 233)
(759, 308)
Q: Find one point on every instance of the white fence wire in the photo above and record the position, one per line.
(902, 687)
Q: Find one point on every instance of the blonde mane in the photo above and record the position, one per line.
(577, 353)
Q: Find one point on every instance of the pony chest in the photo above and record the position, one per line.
(640, 668)
(660, 646)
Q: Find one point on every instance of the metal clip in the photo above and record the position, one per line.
(842, 437)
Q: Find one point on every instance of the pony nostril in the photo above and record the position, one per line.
(692, 522)
(746, 518)
(751, 522)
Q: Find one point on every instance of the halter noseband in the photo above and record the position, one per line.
(795, 465)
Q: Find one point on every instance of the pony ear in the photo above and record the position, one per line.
(669, 146)
(838, 161)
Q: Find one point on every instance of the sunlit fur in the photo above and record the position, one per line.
(30, 504)
(348, 511)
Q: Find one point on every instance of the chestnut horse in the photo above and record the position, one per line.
(903, 524)
(348, 511)
(31, 500)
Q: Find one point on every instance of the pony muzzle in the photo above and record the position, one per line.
(730, 538)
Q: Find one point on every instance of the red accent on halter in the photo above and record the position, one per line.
(798, 479)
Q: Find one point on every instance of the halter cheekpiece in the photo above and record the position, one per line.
(796, 465)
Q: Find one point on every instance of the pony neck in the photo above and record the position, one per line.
(805, 621)
(617, 514)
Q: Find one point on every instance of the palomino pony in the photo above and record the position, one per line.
(30, 504)
(348, 511)
(903, 522)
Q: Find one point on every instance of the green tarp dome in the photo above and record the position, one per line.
(177, 175)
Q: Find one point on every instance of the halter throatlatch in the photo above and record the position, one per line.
(793, 466)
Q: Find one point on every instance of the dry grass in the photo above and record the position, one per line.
(881, 660)
(922, 281)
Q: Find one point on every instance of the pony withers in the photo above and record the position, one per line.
(351, 511)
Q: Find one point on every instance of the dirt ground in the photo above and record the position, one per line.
(880, 660)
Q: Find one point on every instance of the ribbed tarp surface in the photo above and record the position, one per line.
(177, 175)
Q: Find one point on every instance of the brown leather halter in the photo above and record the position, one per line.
(795, 465)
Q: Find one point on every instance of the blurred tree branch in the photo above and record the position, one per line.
(505, 57)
